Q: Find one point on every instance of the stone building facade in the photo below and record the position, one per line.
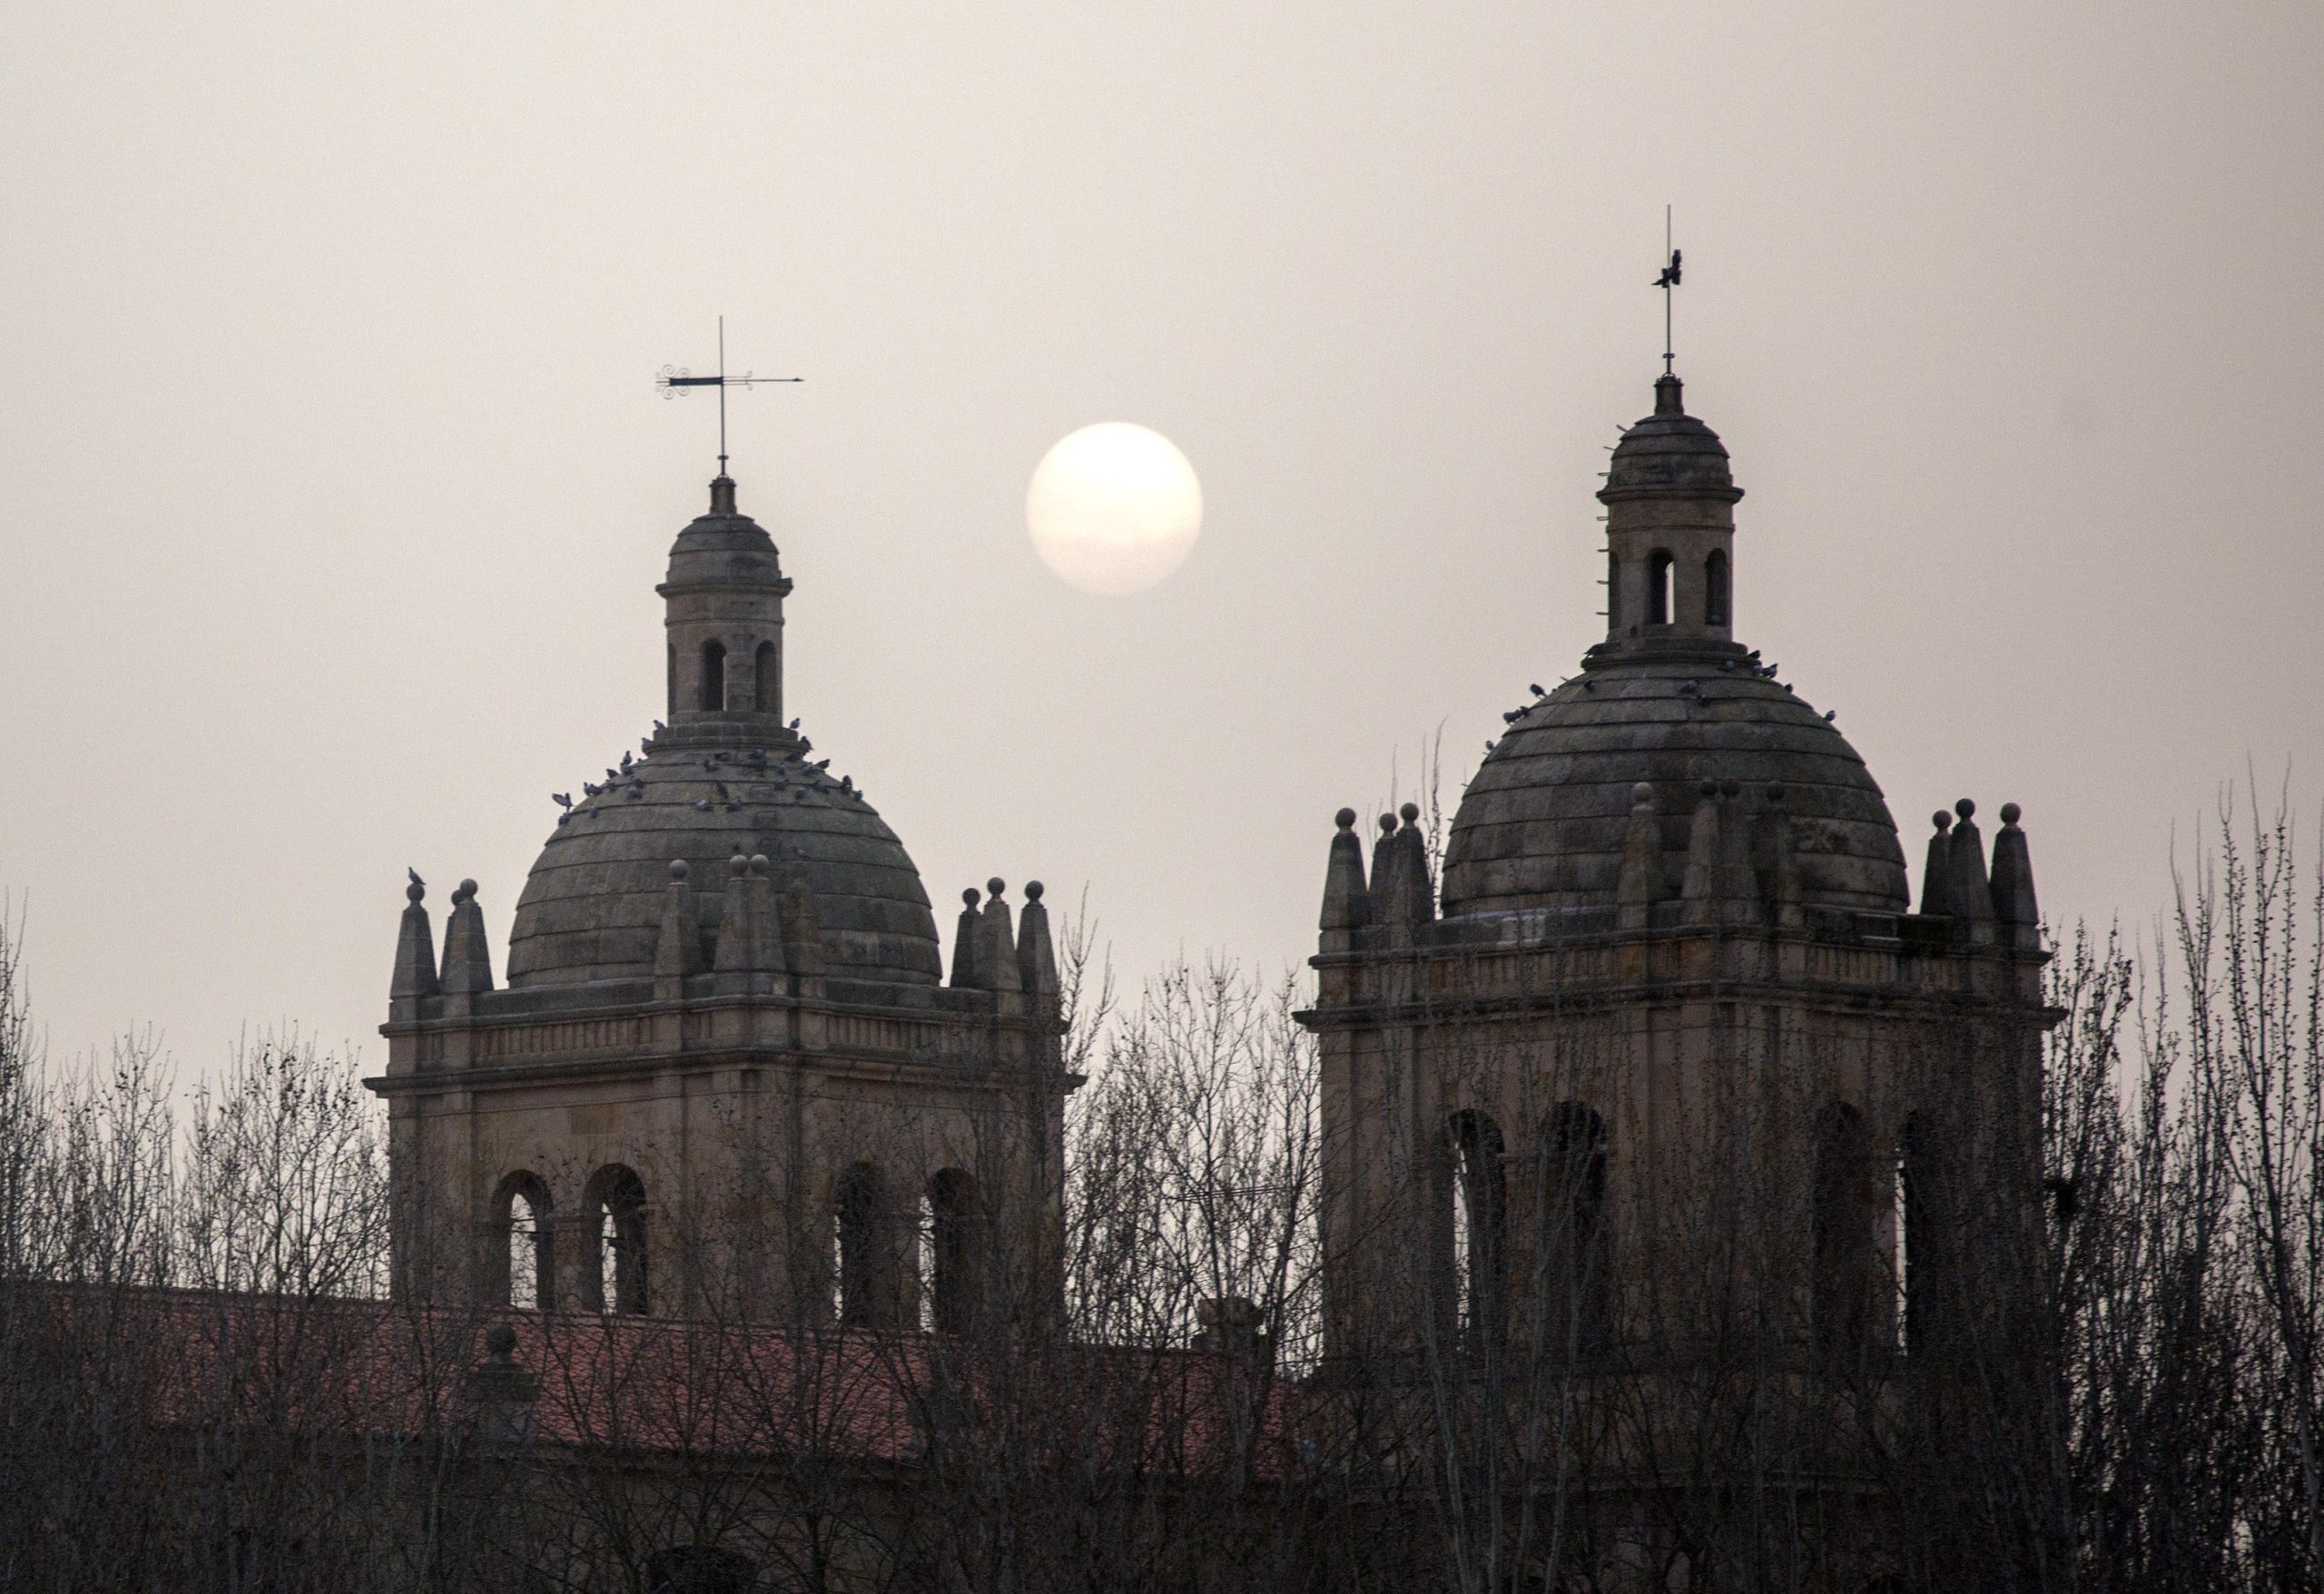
(726, 1072)
(1664, 1116)
(1667, 1077)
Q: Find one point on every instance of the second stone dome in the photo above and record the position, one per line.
(1541, 823)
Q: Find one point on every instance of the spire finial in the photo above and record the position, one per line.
(673, 379)
(1666, 282)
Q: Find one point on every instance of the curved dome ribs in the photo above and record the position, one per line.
(592, 907)
(1544, 821)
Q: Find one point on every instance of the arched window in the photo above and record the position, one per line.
(869, 1292)
(1715, 593)
(1479, 1214)
(714, 676)
(1571, 1214)
(1658, 588)
(616, 1208)
(1851, 1209)
(766, 672)
(1919, 1269)
(520, 1265)
(955, 1275)
(924, 1266)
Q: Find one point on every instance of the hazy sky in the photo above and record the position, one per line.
(335, 486)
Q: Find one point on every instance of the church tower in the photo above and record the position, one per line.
(1673, 1163)
(726, 1075)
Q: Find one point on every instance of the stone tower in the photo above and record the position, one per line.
(726, 1073)
(1666, 1104)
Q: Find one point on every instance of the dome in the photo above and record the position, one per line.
(592, 907)
(1540, 825)
(1670, 451)
(1669, 699)
(724, 549)
(724, 776)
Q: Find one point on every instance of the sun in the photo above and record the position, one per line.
(1114, 509)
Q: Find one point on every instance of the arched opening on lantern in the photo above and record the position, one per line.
(767, 680)
(714, 676)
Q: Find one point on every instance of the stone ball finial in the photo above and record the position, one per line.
(1410, 811)
(1708, 790)
(1032, 890)
(678, 871)
(995, 885)
(1941, 819)
(1345, 819)
(2009, 812)
(759, 865)
(969, 897)
(465, 892)
(1965, 808)
(1642, 797)
(1775, 793)
(738, 866)
(500, 1341)
(1730, 789)
(1387, 823)
(414, 892)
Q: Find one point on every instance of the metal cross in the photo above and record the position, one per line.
(1666, 282)
(675, 380)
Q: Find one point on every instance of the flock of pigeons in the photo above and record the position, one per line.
(793, 776)
(758, 763)
(1751, 665)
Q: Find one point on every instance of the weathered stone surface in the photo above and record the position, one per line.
(722, 997)
(726, 778)
(1666, 703)
(1670, 453)
(1542, 824)
(592, 907)
(1673, 969)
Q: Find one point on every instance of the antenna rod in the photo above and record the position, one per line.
(722, 383)
(1667, 280)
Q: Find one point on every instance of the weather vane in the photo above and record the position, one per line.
(1666, 282)
(675, 380)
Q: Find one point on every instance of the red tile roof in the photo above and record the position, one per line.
(197, 1357)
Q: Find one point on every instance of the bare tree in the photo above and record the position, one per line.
(202, 1384)
(2248, 931)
